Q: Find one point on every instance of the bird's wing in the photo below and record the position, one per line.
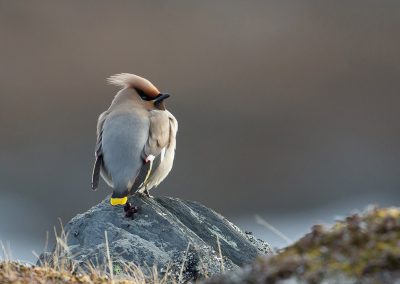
(154, 149)
(98, 151)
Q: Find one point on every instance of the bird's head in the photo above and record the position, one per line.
(148, 95)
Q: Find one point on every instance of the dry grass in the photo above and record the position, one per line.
(57, 268)
(14, 272)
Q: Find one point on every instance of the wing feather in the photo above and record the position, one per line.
(159, 137)
(98, 151)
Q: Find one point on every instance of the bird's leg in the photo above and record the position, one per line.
(130, 210)
(144, 191)
(127, 206)
(147, 193)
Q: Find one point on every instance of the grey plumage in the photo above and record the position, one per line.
(135, 138)
(161, 143)
(98, 152)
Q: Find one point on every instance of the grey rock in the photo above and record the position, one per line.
(165, 232)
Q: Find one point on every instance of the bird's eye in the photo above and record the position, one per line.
(142, 95)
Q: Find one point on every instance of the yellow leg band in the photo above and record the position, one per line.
(118, 201)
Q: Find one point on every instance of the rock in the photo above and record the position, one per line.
(165, 232)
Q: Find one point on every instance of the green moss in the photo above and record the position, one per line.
(117, 269)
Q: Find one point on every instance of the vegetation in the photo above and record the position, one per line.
(360, 249)
(13, 272)
(359, 246)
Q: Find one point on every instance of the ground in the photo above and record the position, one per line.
(360, 249)
(363, 248)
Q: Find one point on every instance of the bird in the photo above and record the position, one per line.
(136, 140)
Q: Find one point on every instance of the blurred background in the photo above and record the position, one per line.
(286, 109)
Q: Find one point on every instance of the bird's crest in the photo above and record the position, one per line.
(138, 83)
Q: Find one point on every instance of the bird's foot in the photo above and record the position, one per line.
(130, 210)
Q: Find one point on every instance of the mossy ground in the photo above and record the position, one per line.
(361, 247)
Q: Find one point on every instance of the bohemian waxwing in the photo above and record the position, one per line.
(135, 139)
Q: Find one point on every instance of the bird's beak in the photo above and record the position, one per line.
(118, 201)
(161, 97)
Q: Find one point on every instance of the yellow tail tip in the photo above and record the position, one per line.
(118, 201)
